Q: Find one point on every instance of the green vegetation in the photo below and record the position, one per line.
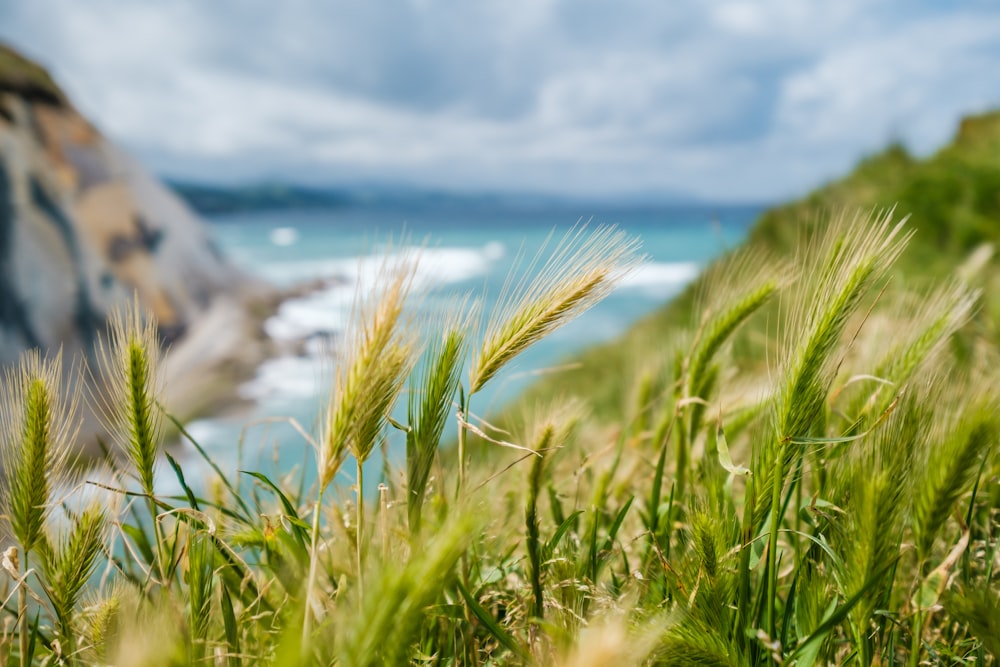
(839, 508)
(951, 200)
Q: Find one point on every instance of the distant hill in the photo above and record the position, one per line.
(215, 199)
(952, 198)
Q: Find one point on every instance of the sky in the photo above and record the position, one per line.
(718, 100)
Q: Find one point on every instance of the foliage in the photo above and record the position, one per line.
(838, 509)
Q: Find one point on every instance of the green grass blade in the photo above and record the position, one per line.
(141, 541)
(188, 493)
(300, 528)
(494, 628)
(560, 532)
(232, 629)
(616, 524)
(211, 462)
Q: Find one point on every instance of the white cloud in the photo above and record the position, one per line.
(727, 100)
(912, 84)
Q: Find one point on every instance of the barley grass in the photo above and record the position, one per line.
(849, 263)
(432, 393)
(128, 377)
(581, 270)
(784, 484)
(379, 354)
(68, 563)
(37, 425)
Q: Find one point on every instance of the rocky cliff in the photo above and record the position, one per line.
(84, 229)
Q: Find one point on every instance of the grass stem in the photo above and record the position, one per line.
(310, 596)
(24, 633)
(772, 544)
(462, 435)
(359, 530)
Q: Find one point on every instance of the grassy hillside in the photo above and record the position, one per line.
(952, 199)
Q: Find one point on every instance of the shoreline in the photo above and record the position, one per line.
(225, 348)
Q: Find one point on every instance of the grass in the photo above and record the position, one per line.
(952, 203)
(838, 508)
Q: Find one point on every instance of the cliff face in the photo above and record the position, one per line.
(83, 228)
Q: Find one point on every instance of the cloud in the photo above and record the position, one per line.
(728, 100)
(932, 68)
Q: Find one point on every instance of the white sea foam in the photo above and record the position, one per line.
(284, 236)
(327, 310)
(662, 277)
(324, 311)
(287, 377)
(204, 429)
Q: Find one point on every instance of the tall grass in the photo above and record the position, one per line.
(837, 507)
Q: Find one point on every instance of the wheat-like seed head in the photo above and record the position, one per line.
(379, 352)
(105, 613)
(38, 424)
(857, 253)
(943, 312)
(69, 561)
(199, 576)
(964, 432)
(849, 259)
(873, 484)
(126, 391)
(581, 271)
(730, 292)
(432, 392)
(697, 642)
(920, 330)
(102, 623)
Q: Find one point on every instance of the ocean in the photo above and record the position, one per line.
(462, 250)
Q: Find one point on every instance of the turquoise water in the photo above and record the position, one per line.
(463, 250)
